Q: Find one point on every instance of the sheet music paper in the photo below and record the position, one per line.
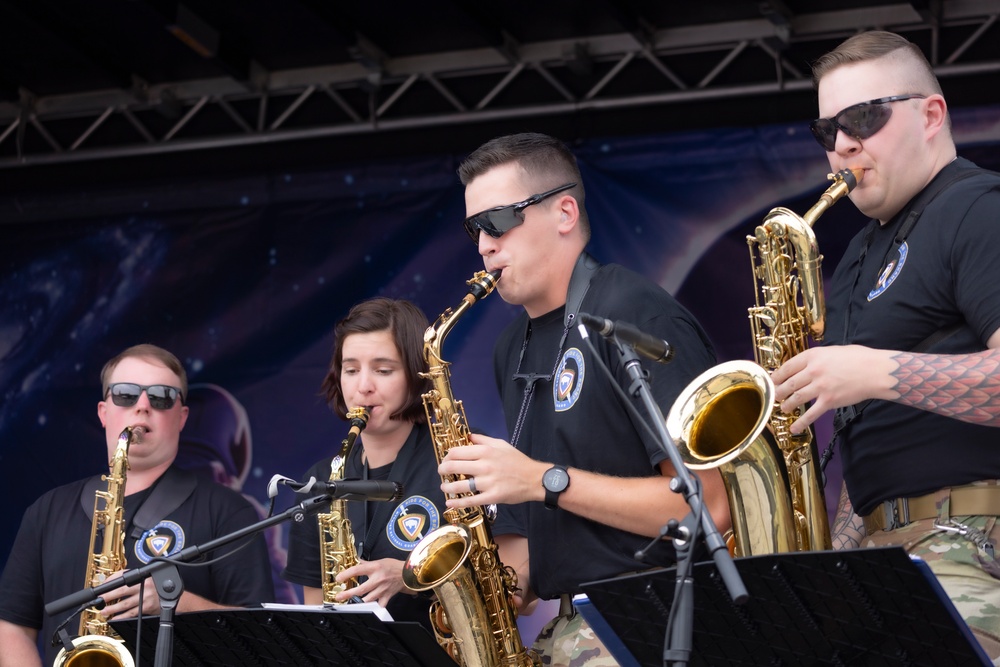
(360, 607)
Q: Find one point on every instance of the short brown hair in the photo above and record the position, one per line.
(406, 323)
(540, 156)
(875, 44)
(146, 351)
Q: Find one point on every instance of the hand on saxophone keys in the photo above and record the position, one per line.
(485, 472)
(379, 581)
(830, 378)
(124, 602)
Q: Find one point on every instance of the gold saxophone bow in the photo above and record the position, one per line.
(727, 418)
(474, 617)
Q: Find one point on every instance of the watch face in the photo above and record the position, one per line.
(555, 479)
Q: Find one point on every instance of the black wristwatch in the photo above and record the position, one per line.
(555, 480)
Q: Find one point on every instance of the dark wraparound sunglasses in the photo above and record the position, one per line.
(499, 220)
(859, 120)
(161, 396)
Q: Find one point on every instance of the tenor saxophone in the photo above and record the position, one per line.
(98, 643)
(727, 417)
(474, 618)
(336, 540)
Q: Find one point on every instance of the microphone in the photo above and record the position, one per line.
(645, 344)
(348, 489)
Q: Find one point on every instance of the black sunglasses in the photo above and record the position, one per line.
(499, 220)
(161, 396)
(858, 120)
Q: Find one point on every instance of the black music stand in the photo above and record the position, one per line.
(850, 608)
(281, 637)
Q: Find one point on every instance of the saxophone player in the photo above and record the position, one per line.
(586, 474)
(913, 327)
(376, 362)
(143, 386)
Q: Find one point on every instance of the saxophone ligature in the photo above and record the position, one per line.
(474, 617)
(98, 644)
(336, 539)
(727, 417)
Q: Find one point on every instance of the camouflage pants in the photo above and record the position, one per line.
(969, 574)
(569, 641)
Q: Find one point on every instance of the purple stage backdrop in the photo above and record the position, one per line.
(244, 279)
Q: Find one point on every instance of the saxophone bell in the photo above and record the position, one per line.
(94, 651)
(720, 420)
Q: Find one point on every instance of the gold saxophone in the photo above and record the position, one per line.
(336, 540)
(727, 417)
(98, 644)
(474, 615)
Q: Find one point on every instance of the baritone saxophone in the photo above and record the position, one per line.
(727, 417)
(98, 644)
(474, 617)
(336, 539)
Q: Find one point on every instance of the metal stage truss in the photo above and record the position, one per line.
(489, 68)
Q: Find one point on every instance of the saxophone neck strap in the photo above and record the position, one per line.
(170, 491)
(952, 173)
(579, 283)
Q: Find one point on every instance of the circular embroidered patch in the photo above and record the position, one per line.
(411, 521)
(569, 380)
(889, 273)
(164, 539)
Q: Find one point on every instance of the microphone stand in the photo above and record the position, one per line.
(680, 630)
(166, 576)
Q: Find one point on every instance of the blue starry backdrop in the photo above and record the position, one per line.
(244, 278)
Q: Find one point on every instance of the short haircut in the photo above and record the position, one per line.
(406, 323)
(146, 351)
(546, 161)
(876, 44)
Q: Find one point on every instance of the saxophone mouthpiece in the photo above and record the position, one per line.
(483, 283)
(359, 416)
(131, 435)
(850, 176)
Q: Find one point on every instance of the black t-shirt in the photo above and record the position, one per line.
(50, 554)
(578, 420)
(381, 529)
(945, 272)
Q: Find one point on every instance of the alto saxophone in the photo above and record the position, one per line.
(336, 540)
(98, 643)
(474, 618)
(727, 417)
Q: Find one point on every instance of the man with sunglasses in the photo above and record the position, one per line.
(165, 510)
(913, 327)
(592, 483)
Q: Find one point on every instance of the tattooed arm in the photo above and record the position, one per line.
(962, 386)
(848, 529)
